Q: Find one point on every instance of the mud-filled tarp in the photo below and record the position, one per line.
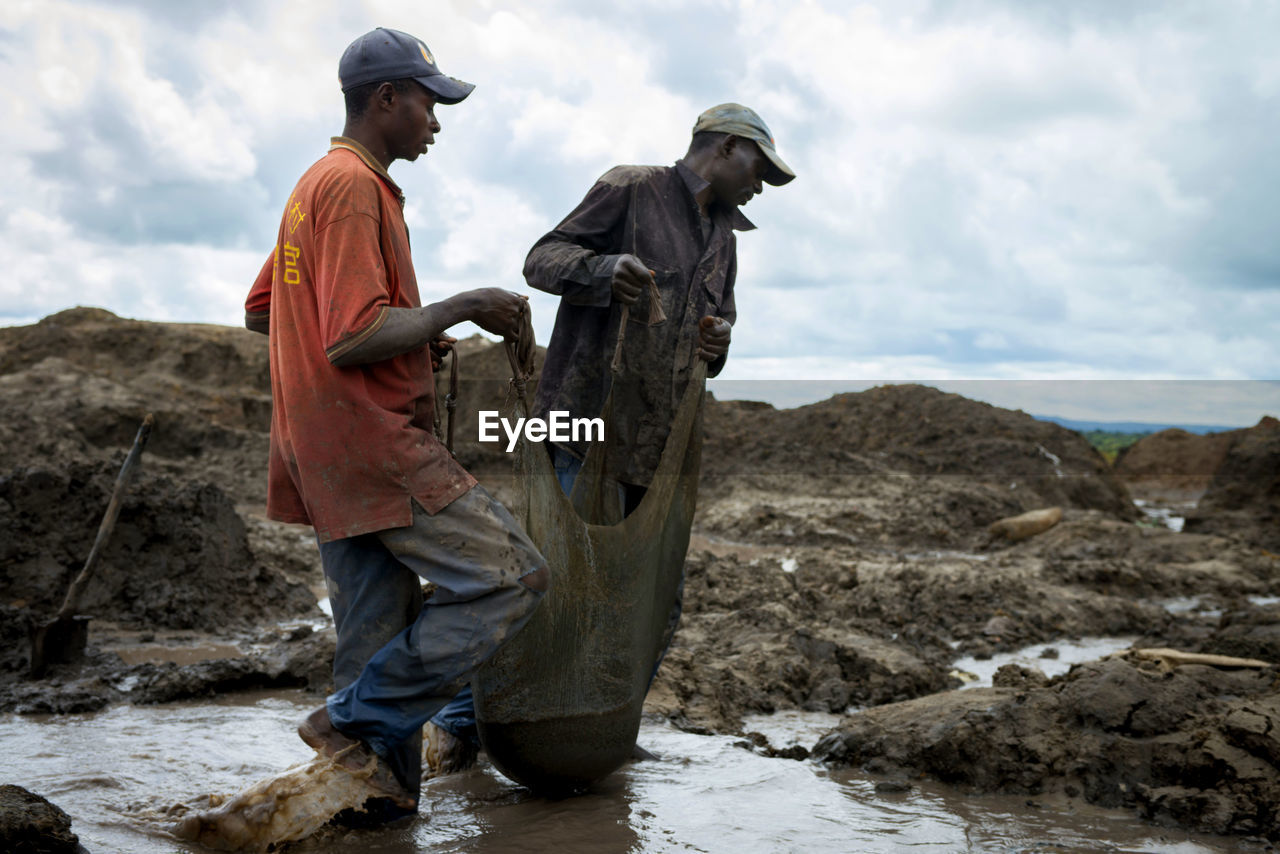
(559, 706)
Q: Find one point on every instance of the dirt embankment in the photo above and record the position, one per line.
(1173, 464)
(77, 384)
(1243, 499)
(1193, 745)
(917, 431)
(73, 389)
(905, 466)
(179, 557)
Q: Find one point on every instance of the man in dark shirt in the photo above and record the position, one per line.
(658, 239)
(643, 231)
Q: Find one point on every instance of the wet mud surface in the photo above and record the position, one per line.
(842, 569)
(129, 774)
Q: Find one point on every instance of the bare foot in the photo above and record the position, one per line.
(324, 738)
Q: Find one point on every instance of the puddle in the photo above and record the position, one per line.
(1172, 517)
(1191, 605)
(160, 653)
(788, 728)
(1069, 653)
(114, 772)
(945, 555)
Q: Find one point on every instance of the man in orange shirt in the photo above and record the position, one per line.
(353, 452)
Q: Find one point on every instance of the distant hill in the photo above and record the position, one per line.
(1134, 426)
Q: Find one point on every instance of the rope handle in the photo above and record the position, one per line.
(450, 403)
(451, 399)
(522, 350)
(656, 313)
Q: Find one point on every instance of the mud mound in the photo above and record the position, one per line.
(1132, 561)
(77, 384)
(896, 465)
(919, 431)
(929, 464)
(178, 557)
(1193, 745)
(1243, 499)
(758, 637)
(136, 352)
(1173, 463)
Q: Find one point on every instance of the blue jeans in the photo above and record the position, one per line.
(458, 717)
(400, 660)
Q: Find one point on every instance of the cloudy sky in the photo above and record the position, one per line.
(1073, 203)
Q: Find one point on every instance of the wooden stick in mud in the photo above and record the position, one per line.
(63, 639)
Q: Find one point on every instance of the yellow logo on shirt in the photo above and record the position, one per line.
(296, 216)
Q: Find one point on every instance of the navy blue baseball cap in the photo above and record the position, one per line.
(385, 54)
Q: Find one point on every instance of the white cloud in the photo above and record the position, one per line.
(986, 190)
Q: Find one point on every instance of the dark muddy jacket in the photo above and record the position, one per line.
(649, 212)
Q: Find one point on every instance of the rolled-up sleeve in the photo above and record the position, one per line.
(257, 306)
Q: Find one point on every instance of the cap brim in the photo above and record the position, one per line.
(779, 172)
(448, 90)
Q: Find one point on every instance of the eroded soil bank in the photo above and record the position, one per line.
(1188, 745)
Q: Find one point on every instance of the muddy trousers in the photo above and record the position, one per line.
(458, 717)
(398, 659)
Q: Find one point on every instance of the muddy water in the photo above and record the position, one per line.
(116, 773)
(1051, 659)
(1170, 514)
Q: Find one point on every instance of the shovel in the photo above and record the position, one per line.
(62, 639)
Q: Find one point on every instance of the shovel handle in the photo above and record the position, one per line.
(72, 600)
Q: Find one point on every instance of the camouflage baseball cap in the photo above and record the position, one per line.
(746, 123)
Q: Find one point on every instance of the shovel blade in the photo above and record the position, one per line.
(59, 641)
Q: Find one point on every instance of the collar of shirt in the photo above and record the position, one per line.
(696, 184)
(363, 153)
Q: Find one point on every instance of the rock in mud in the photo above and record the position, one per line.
(1193, 746)
(1252, 633)
(1024, 525)
(30, 824)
